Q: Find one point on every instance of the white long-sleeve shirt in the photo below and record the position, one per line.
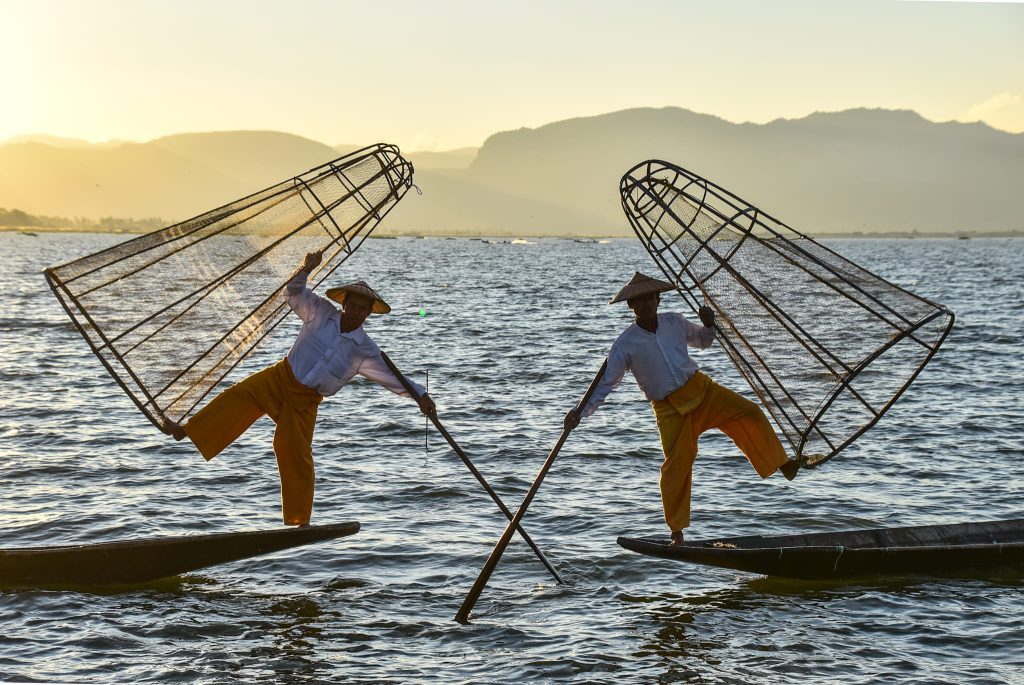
(325, 359)
(659, 361)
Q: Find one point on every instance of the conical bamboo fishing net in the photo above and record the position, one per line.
(826, 345)
(170, 313)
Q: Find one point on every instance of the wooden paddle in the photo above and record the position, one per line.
(472, 469)
(499, 549)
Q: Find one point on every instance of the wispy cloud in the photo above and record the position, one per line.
(423, 140)
(1003, 111)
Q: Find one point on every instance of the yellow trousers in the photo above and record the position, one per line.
(272, 392)
(702, 404)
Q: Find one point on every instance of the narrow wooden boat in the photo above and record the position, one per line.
(142, 560)
(929, 550)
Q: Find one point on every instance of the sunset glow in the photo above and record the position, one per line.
(447, 75)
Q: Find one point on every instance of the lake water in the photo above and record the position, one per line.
(512, 336)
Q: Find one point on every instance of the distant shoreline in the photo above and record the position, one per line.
(1016, 233)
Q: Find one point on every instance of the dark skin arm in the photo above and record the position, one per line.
(572, 417)
(427, 406)
(571, 420)
(311, 262)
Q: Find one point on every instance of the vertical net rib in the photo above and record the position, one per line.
(172, 312)
(826, 345)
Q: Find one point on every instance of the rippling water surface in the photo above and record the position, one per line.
(512, 336)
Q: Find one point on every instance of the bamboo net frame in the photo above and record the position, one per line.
(826, 345)
(172, 312)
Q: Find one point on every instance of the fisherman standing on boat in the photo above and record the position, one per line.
(686, 402)
(330, 350)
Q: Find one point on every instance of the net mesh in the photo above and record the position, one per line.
(826, 345)
(170, 313)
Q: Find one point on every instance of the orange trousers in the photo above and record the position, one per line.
(272, 392)
(702, 404)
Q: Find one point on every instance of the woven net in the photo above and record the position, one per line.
(172, 312)
(826, 345)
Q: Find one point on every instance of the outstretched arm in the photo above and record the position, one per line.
(701, 336)
(377, 370)
(613, 374)
(299, 297)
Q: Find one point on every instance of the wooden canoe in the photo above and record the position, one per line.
(927, 550)
(142, 560)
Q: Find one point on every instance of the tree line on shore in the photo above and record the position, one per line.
(20, 219)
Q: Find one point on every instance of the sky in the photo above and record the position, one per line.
(444, 74)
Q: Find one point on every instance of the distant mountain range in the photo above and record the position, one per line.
(855, 170)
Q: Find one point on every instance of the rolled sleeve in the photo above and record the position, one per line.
(613, 375)
(377, 371)
(303, 301)
(698, 336)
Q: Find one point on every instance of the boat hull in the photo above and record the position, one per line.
(919, 550)
(143, 560)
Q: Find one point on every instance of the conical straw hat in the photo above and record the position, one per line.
(641, 284)
(359, 288)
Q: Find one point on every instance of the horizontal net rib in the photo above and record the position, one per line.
(170, 313)
(826, 345)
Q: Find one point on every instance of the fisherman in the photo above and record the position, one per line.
(330, 350)
(686, 402)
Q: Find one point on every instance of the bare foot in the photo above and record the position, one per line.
(790, 468)
(175, 430)
(677, 538)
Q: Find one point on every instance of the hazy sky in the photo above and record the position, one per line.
(440, 75)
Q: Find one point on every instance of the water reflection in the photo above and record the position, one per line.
(513, 337)
(294, 631)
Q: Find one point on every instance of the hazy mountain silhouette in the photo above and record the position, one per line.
(866, 170)
(60, 141)
(451, 203)
(174, 177)
(449, 159)
(856, 170)
(460, 158)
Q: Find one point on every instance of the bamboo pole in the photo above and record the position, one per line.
(492, 561)
(472, 469)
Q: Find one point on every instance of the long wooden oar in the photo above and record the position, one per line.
(499, 549)
(472, 469)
